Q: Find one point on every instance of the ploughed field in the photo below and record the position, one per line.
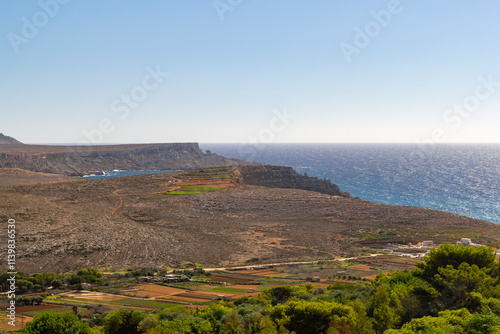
(205, 216)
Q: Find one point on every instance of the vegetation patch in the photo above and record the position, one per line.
(138, 302)
(228, 290)
(62, 310)
(190, 190)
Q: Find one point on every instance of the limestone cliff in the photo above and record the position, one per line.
(284, 177)
(75, 160)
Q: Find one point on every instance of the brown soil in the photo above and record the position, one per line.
(371, 277)
(64, 226)
(20, 320)
(15, 176)
(95, 296)
(360, 267)
(264, 272)
(22, 309)
(214, 294)
(231, 280)
(255, 287)
(189, 299)
(154, 291)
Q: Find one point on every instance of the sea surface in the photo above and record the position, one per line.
(119, 173)
(458, 178)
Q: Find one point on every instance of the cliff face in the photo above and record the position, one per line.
(285, 177)
(74, 160)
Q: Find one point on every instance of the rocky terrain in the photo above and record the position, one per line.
(285, 177)
(79, 160)
(209, 216)
(15, 176)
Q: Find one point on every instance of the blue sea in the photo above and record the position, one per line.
(458, 178)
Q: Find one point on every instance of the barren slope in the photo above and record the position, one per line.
(16, 176)
(202, 216)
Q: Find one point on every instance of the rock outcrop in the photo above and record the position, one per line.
(8, 140)
(285, 177)
(78, 160)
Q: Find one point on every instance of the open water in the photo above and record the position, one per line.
(458, 178)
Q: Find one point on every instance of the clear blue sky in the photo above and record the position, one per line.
(230, 71)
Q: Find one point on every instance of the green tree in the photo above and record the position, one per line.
(187, 325)
(54, 323)
(312, 317)
(87, 275)
(123, 322)
(43, 279)
(482, 323)
(56, 283)
(384, 314)
(455, 255)
(149, 322)
(457, 286)
(267, 326)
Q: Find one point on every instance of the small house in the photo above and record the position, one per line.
(428, 243)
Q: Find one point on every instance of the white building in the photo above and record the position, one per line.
(427, 243)
(467, 242)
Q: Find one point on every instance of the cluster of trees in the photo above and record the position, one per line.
(40, 282)
(348, 277)
(29, 300)
(93, 276)
(145, 272)
(456, 290)
(26, 283)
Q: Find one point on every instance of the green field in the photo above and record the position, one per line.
(138, 302)
(228, 290)
(189, 190)
(54, 310)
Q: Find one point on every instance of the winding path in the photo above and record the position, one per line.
(121, 201)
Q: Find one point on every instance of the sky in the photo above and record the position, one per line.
(236, 71)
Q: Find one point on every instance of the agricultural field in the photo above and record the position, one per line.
(21, 320)
(360, 269)
(209, 288)
(25, 314)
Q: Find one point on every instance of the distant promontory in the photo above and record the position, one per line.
(8, 140)
(79, 160)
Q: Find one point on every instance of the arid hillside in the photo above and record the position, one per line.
(8, 140)
(206, 216)
(16, 176)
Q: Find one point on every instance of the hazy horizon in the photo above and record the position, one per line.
(274, 143)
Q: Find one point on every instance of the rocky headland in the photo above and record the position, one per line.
(8, 140)
(79, 160)
(285, 177)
